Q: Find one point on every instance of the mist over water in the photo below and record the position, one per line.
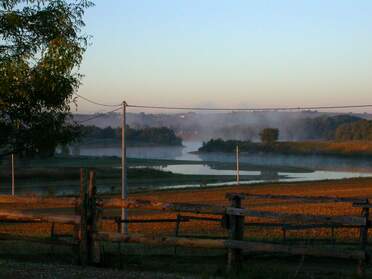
(239, 125)
(317, 167)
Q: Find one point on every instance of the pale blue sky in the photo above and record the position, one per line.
(229, 53)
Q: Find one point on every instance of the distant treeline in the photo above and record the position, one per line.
(324, 127)
(329, 148)
(339, 135)
(340, 127)
(144, 136)
(360, 130)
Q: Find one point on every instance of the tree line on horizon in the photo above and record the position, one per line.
(339, 127)
(319, 131)
(134, 136)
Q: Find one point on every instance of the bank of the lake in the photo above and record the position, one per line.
(349, 149)
(60, 175)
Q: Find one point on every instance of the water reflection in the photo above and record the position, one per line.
(152, 152)
(183, 153)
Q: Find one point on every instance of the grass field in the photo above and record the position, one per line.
(209, 264)
(358, 187)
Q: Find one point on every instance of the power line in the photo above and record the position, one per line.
(97, 116)
(96, 103)
(229, 109)
(252, 109)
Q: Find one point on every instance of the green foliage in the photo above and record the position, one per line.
(360, 130)
(40, 51)
(147, 136)
(358, 149)
(269, 135)
(322, 127)
(220, 145)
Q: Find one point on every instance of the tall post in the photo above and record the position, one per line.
(237, 166)
(363, 235)
(124, 188)
(94, 256)
(13, 179)
(236, 232)
(83, 229)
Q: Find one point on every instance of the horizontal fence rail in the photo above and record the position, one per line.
(221, 210)
(162, 206)
(18, 215)
(40, 202)
(346, 220)
(310, 199)
(89, 209)
(44, 240)
(232, 244)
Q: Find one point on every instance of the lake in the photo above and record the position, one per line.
(317, 167)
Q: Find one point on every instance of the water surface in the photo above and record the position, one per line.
(318, 167)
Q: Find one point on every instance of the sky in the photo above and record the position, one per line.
(228, 53)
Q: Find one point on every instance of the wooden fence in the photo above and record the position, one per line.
(89, 209)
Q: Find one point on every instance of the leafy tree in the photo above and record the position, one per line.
(321, 128)
(360, 130)
(269, 135)
(147, 135)
(41, 47)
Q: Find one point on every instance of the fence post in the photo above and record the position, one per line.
(177, 230)
(284, 230)
(93, 221)
(363, 237)
(76, 230)
(13, 175)
(83, 211)
(236, 232)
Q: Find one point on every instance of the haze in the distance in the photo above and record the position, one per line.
(228, 53)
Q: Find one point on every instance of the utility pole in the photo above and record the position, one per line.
(237, 165)
(13, 180)
(124, 183)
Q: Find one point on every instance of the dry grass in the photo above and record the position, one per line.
(348, 148)
(346, 188)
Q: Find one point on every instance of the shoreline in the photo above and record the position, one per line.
(358, 149)
(358, 156)
(255, 186)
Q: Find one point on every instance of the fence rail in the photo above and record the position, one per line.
(18, 215)
(40, 202)
(89, 209)
(305, 199)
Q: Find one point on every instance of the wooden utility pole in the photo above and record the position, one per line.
(237, 166)
(124, 183)
(13, 179)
